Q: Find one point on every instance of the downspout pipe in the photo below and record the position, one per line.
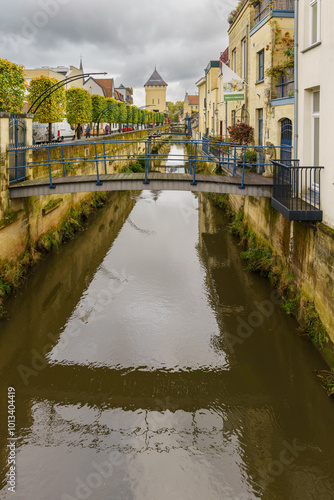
(295, 93)
(246, 68)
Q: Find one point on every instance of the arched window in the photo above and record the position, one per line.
(286, 140)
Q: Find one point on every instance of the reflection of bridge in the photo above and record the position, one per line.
(53, 173)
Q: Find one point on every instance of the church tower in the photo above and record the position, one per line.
(155, 92)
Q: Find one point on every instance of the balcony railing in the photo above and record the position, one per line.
(264, 7)
(296, 191)
(285, 89)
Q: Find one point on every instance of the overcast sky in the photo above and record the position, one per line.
(125, 38)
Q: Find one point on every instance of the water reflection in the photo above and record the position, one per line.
(133, 390)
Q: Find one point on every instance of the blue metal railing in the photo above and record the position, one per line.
(59, 160)
(230, 156)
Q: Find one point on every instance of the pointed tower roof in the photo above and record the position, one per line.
(155, 79)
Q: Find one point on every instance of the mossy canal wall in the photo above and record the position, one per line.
(23, 222)
(298, 258)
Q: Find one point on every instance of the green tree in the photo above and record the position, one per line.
(174, 109)
(122, 114)
(52, 109)
(112, 113)
(78, 107)
(142, 116)
(128, 113)
(135, 115)
(98, 105)
(12, 86)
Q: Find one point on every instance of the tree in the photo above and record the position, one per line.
(135, 115)
(112, 112)
(98, 105)
(174, 109)
(122, 114)
(128, 114)
(12, 86)
(241, 133)
(52, 109)
(78, 107)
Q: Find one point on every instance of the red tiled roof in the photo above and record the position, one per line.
(224, 56)
(107, 84)
(193, 100)
(118, 96)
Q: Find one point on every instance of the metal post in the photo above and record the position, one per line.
(50, 174)
(104, 157)
(191, 155)
(243, 170)
(147, 160)
(98, 183)
(234, 161)
(16, 140)
(63, 162)
(194, 183)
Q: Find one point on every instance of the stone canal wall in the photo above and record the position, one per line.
(22, 222)
(303, 252)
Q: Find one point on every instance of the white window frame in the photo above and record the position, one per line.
(312, 3)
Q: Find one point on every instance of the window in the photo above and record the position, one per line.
(152, 101)
(244, 57)
(260, 56)
(314, 21)
(158, 101)
(233, 117)
(234, 60)
(260, 126)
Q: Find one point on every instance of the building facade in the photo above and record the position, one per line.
(260, 37)
(155, 93)
(315, 104)
(58, 72)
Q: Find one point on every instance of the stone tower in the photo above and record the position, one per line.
(155, 92)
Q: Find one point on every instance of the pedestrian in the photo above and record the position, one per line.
(88, 129)
(106, 129)
(79, 131)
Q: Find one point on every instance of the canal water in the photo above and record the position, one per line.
(149, 364)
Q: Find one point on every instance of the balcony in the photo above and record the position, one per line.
(263, 7)
(296, 191)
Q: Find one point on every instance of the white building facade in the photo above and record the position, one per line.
(315, 99)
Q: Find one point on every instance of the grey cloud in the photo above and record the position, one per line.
(123, 38)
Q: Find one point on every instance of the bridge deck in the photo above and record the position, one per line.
(255, 185)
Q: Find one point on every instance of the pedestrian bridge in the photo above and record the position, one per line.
(54, 166)
(254, 185)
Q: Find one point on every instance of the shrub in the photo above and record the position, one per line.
(241, 133)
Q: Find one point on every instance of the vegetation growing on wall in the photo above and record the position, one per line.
(13, 272)
(262, 259)
(283, 52)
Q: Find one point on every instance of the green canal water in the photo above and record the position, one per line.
(149, 364)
